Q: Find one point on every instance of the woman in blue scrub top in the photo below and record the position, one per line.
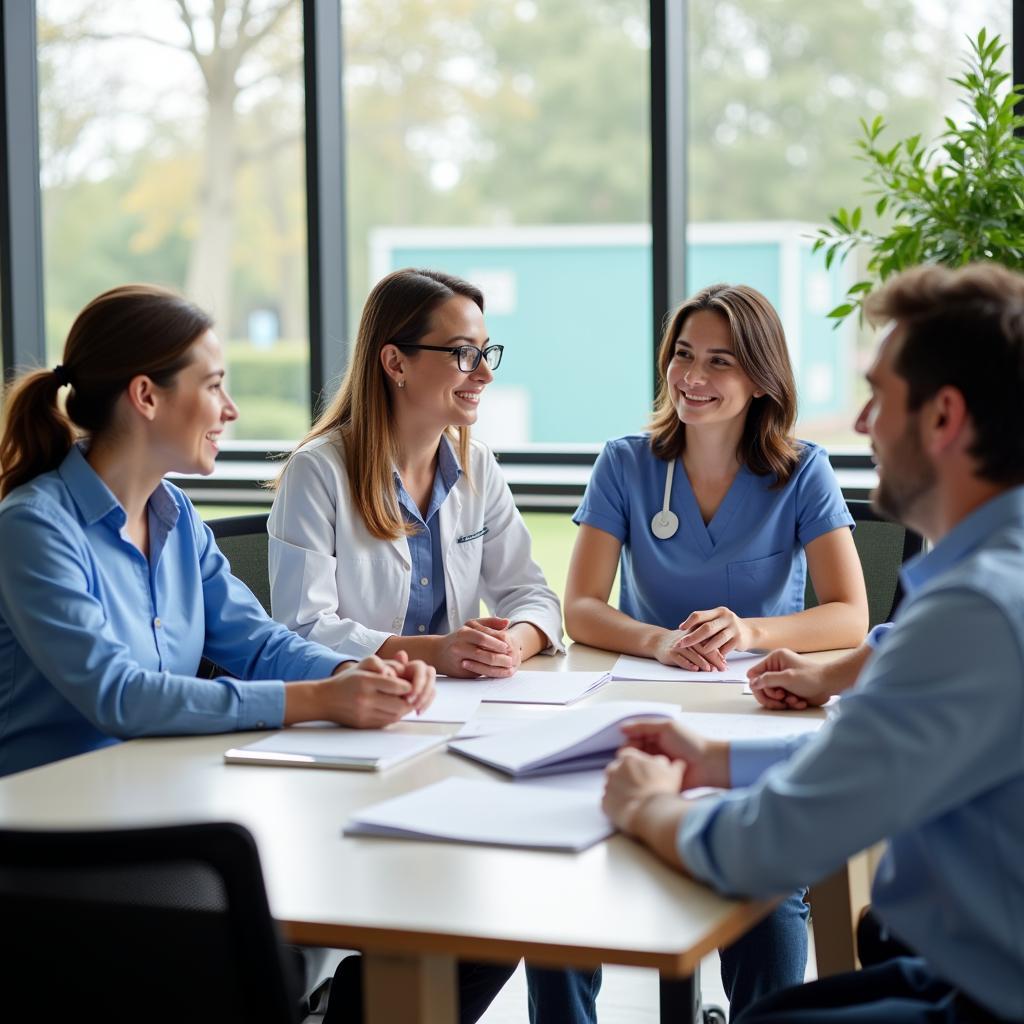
(714, 517)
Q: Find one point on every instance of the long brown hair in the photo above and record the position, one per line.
(767, 445)
(137, 329)
(398, 311)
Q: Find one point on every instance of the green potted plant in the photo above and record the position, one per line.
(958, 199)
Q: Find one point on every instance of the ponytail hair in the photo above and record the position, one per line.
(130, 331)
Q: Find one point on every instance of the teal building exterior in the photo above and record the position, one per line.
(571, 305)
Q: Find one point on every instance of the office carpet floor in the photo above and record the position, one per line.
(629, 995)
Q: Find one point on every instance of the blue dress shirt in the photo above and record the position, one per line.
(428, 606)
(927, 749)
(749, 558)
(97, 643)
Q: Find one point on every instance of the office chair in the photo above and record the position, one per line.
(153, 924)
(883, 546)
(243, 542)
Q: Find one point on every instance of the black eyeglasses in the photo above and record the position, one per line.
(469, 356)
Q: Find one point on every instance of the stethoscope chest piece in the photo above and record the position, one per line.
(666, 522)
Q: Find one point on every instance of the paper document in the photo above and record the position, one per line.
(753, 726)
(483, 724)
(451, 703)
(360, 749)
(494, 813)
(737, 663)
(577, 740)
(533, 687)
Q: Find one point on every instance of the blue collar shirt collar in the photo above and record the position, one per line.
(966, 537)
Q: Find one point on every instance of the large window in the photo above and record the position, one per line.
(504, 140)
(507, 141)
(172, 152)
(776, 90)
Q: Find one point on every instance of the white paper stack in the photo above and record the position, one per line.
(530, 687)
(575, 741)
(359, 749)
(628, 667)
(495, 813)
(450, 704)
(754, 726)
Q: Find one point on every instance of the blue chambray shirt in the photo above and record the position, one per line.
(98, 644)
(427, 613)
(927, 749)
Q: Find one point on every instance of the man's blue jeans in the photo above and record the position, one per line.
(900, 991)
(770, 957)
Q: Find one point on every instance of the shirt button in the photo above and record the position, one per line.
(422, 629)
(424, 581)
(261, 725)
(157, 623)
(397, 624)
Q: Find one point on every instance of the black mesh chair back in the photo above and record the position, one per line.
(883, 546)
(243, 541)
(160, 924)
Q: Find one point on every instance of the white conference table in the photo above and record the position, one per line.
(412, 907)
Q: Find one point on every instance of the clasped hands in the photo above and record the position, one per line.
(704, 639)
(480, 647)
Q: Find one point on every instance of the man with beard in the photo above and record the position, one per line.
(927, 747)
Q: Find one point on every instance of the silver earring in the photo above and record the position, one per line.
(401, 383)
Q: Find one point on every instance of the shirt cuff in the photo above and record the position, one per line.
(750, 759)
(585, 517)
(324, 661)
(360, 642)
(877, 635)
(812, 531)
(543, 623)
(692, 839)
(261, 705)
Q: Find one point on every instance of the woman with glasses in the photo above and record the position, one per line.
(390, 525)
(714, 517)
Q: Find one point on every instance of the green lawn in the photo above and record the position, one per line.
(553, 535)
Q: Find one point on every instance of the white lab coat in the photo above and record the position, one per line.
(333, 582)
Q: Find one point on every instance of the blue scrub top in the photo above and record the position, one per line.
(749, 558)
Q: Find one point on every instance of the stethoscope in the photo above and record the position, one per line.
(666, 522)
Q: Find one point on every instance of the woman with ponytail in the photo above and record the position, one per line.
(112, 589)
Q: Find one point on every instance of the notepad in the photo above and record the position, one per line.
(574, 741)
(752, 726)
(493, 813)
(531, 687)
(737, 662)
(358, 749)
(450, 704)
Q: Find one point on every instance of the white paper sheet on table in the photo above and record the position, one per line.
(576, 740)
(532, 687)
(756, 725)
(628, 667)
(493, 813)
(451, 704)
(483, 724)
(359, 749)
